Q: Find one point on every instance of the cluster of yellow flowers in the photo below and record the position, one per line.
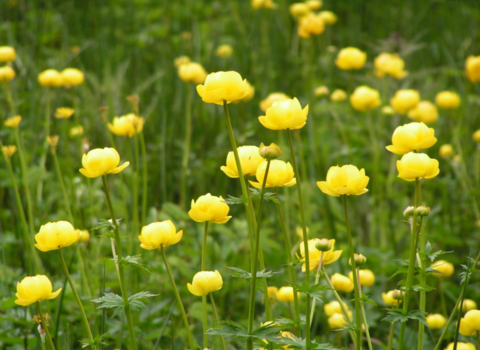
(67, 77)
(309, 22)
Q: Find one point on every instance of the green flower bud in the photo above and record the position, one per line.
(270, 152)
(323, 245)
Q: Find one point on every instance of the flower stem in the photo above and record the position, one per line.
(145, 178)
(317, 277)
(62, 186)
(45, 327)
(179, 300)
(186, 146)
(423, 280)
(459, 316)
(391, 333)
(204, 297)
(362, 310)
(43, 157)
(135, 188)
(204, 246)
(217, 319)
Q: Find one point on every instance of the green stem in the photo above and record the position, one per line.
(204, 297)
(423, 281)
(179, 300)
(135, 188)
(62, 185)
(204, 246)
(217, 319)
(186, 146)
(43, 157)
(443, 304)
(145, 178)
(459, 316)
(77, 298)
(45, 327)
(317, 277)
(10, 100)
(391, 333)
(362, 310)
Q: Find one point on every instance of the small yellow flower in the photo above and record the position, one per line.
(273, 97)
(446, 151)
(250, 159)
(287, 114)
(159, 234)
(224, 51)
(447, 100)
(321, 91)
(127, 125)
(333, 307)
(412, 137)
(461, 346)
(328, 17)
(472, 67)
(272, 292)
(338, 95)
(209, 208)
(345, 180)
(192, 72)
(72, 77)
(468, 304)
(364, 98)
(13, 122)
(314, 5)
(425, 112)
(249, 95)
(405, 100)
(299, 9)
(414, 166)
(388, 299)
(33, 289)
(389, 64)
(223, 86)
(314, 254)
(53, 140)
(6, 74)
(444, 267)
(309, 25)
(367, 278)
(470, 323)
(50, 78)
(337, 321)
(64, 113)
(285, 294)
(9, 150)
(280, 174)
(83, 235)
(56, 235)
(476, 136)
(205, 282)
(342, 283)
(7, 54)
(76, 131)
(388, 110)
(266, 4)
(181, 60)
(351, 58)
(99, 162)
(436, 321)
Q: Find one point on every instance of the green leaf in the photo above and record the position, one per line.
(96, 343)
(314, 290)
(402, 316)
(247, 275)
(106, 225)
(137, 301)
(298, 343)
(423, 288)
(364, 299)
(435, 255)
(132, 261)
(229, 329)
(236, 200)
(110, 301)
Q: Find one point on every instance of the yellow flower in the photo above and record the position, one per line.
(321, 91)
(127, 125)
(99, 162)
(461, 346)
(249, 95)
(346, 180)
(192, 72)
(333, 307)
(310, 24)
(444, 267)
(56, 235)
(7, 54)
(273, 97)
(351, 58)
(249, 159)
(50, 78)
(470, 323)
(367, 278)
(76, 131)
(328, 17)
(342, 283)
(389, 64)
(159, 234)
(472, 67)
(476, 136)
(181, 60)
(286, 114)
(314, 5)
(209, 208)
(337, 321)
(364, 98)
(447, 100)
(280, 174)
(223, 86)
(33, 289)
(417, 166)
(338, 95)
(6, 74)
(412, 137)
(272, 292)
(314, 254)
(436, 321)
(425, 112)
(53, 140)
(283, 334)
(205, 282)
(388, 299)
(9, 150)
(285, 294)
(13, 122)
(299, 9)
(72, 77)
(446, 151)
(83, 235)
(224, 51)
(388, 110)
(266, 4)
(64, 112)
(468, 304)
(405, 100)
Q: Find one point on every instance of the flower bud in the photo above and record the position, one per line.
(408, 212)
(422, 211)
(321, 91)
(53, 141)
(398, 294)
(323, 245)
(359, 260)
(269, 152)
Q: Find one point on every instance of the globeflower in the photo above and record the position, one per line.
(328, 17)
(419, 166)
(412, 137)
(405, 100)
(367, 278)
(309, 25)
(72, 77)
(280, 174)
(159, 234)
(314, 254)
(476, 136)
(205, 282)
(50, 78)
(266, 4)
(446, 151)
(223, 86)
(6, 74)
(33, 289)
(447, 100)
(99, 162)
(461, 346)
(299, 9)
(64, 113)
(249, 95)
(425, 112)
(345, 180)
(436, 321)
(444, 268)
(210, 208)
(389, 300)
(285, 294)
(7, 54)
(192, 72)
(224, 51)
(13, 122)
(351, 58)
(342, 283)
(470, 323)
(468, 304)
(389, 64)
(314, 5)
(333, 307)
(83, 235)
(181, 60)
(321, 91)
(127, 125)
(337, 321)
(273, 97)
(56, 235)
(250, 159)
(9, 151)
(76, 131)
(364, 98)
(338, 95)
(472, 67)
(286, 114)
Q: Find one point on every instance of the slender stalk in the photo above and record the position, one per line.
(43, 157)
(204, 297)
(186, 146)
(317, 277)
(459, 316)
(362, 310)
(121, 274)
(423, 280)
(204, 246)
(135, 187)
(443, 304)
(179, 300)
(62, 186)
(391, 333)
(45, 327)
(8, 92)
(217, 319)
(145, 178)
(77, 298)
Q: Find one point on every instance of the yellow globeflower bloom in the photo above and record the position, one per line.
(72, 77)
(285, 294)
(351, 58)
(388, 110)
(345, 180)
(283, 334)
(314, 5)
(76, 131)
(364, 98)
(7, 54)
(389, 300)
(342, 283)
(412, 137)
(56, 235)
(101, 161)
(209, 208)
(50, 78)
(367, 278)
(250, 159)
(266, 4)
(159, 234)
(280, 174)
(127, 125)
(314, 254)
(444, 267)
(181, 60)
(64, 112)
(223, 86)
(299, 9)
(192, 72)
(468, 304)
(436, 321)
(83, 235)
(461, 346)
(425, 112)
(287, 114)
(6, 74)
(321, 91)
(470, 323)
(13, 122)
(405, 100)
(205, 282)
(273, 97)
(333, 307)
(33, 289)
(447, 100)
(389, 64)
(53, 141)
(337, 321)
(476, 136)
(9, 150)
(310, 24)
(414, 166)
(272, 292)
(446, 151)
(224, 51)
(472, 67)
(249, 95)
(338, 95)
(328, 17)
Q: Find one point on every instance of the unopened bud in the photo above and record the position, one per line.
(422, 211)
(408, 211)
(323, 245)
(398, 294)
(359, 260)
(53, 141)
(270, 152)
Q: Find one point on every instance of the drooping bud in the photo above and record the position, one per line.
(270, 152)
(323, 245)
(53, 141)
(359, 260)
(422, 211)
(398, 294)
(408, 212)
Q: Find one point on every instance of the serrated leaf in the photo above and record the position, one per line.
(314, 290)
(132, 261)
(435, 255)
(96, 343)
(298, 343)
(137, 301)
(402, 316)
(231, 200)
(229, 329)
(423, 288)
(110, 301)
(104, 224)
(247, 275)
(364, 299)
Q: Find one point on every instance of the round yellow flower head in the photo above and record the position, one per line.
(224, 51)
(280, 174)
(425, 112)
(299, 9)
(159, 234)
(266, 4)
(7, 54)
(367, 278)
(273, 97)
(50, 78)
(333, 307)
(476, 136)
(314, 254)
(127, 125)
(285, 294)
(468, 304)
(337, 321)
(76, 131)
(338, 95)
(286, 114)
(389, 64)
(321, 91)
(364, 98)
(447, 100)
(389, 300)
(181, 60)
(205, 282)
(6, 74)
(446, 151)
(283, 334)
(249, 95)
(83, 235)
(314, 5)
(33, 289)
(470, 323)
(310, 24)
(223, 86)
(209, 208)
(8, 151)
(342, 283)
(53, 141)
(405, 100)
(461, 346)
(412, 137)
(351, 58)
(250, 159)
(444, 267)
(72, 77)
(436, 321)
(328, 17)
(417, 165)
(13, 122)
(345, 180)
(101, 161)
(192, 72)
(64, 112)
(472, 67)
(272, 292)
(388, 110)
(56, 235)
